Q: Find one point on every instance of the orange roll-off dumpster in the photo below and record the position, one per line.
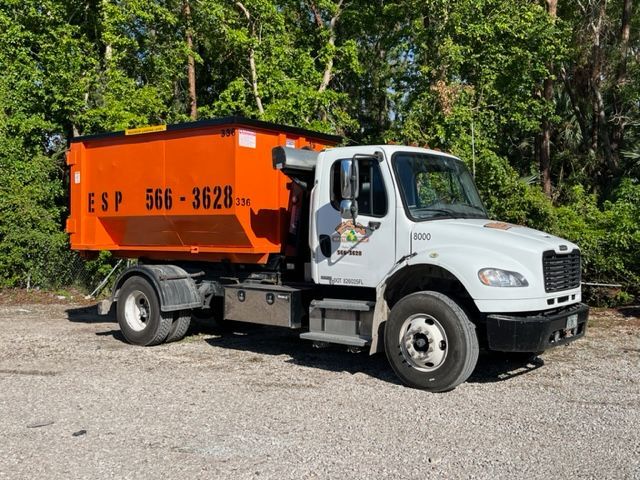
(195, 191)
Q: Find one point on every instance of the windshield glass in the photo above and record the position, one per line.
(436, 186)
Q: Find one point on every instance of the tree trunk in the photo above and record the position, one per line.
(331, 43)
(252, 60)
(191, 64)
(575, 105)
(625, 32)
(617, 134)
(545, 135)
(600, 123)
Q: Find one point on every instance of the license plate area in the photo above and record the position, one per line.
(570, 330)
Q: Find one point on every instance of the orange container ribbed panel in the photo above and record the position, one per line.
(198, 191)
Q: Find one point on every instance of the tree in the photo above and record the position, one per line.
(544, 148)
(549, 89)
(603, 99)
(191, 63)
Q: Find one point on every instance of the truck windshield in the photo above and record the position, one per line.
(436, 187)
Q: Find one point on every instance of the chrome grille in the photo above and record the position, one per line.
(561, 271)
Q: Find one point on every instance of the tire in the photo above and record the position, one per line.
(138, 312)
(180, 325)
(440, 347)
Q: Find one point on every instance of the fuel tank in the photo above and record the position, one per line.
(194, 191)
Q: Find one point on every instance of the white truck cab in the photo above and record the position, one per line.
(409, 222)
(421, 207)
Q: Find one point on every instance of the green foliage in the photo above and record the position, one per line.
(30, 236)
(608, 235)
(484, 60)
(465, 77)
(289, 66)
(35, 91)
(510, 199)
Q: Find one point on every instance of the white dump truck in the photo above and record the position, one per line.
(377, 247)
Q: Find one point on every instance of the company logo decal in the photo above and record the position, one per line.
(348, 232)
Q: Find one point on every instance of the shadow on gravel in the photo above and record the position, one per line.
(264, 340)
(112, 333)
(89, 315)
(494, 367)
(630, 311)
(272, 341)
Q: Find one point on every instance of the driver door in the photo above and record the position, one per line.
(349, 253)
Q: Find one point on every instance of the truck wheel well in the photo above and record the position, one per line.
(127, 274)
(175, 288)
(416, 278)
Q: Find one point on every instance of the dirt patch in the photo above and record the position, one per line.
(22, 296)
(627, 317)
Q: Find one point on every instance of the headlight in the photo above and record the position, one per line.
(494, 277)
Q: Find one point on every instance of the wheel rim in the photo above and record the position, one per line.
(423, 342)
(137, 310)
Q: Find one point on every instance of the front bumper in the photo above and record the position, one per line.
(535, 333)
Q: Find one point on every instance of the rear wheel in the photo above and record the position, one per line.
(430, 342)
(139, 315)
(180, 325)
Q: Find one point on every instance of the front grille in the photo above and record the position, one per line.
(561, 271)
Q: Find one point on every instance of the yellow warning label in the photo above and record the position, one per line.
(138, 131)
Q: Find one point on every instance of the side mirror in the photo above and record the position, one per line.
(349, 179)
(349, 209)
(349, 176)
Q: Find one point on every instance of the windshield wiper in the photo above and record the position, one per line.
(439, 211)
(481, 212)
(474, 207)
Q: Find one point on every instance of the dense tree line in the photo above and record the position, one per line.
(541, 98)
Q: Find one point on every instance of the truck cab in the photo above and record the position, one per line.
(420, 207)
(409, 222)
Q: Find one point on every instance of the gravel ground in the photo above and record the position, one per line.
(256, 402)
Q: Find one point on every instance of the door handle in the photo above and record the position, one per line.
(325, 245)
(373, 226)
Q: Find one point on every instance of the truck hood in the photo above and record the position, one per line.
(494, 234)
(464, 246)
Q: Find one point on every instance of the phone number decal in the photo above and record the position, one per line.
(206, 197)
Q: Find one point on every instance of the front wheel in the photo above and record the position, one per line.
(430, 342)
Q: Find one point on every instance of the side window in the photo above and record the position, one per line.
(372, 198)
